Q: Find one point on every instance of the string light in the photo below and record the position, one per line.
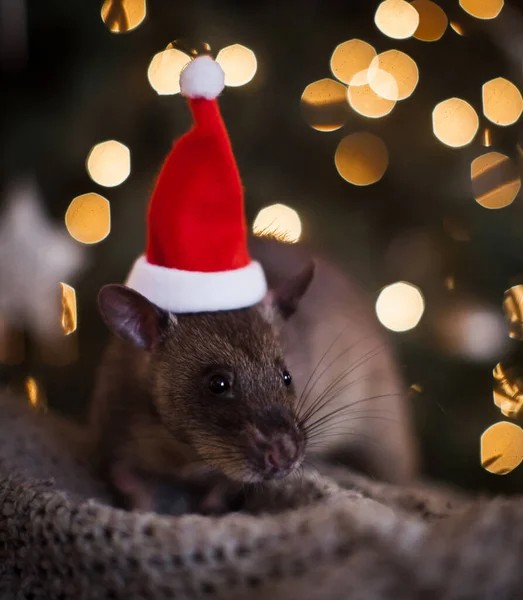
(350, 58)
(278, 221)
(109, 163)
(324, 105)
(238, 63)
(433, 21)
(400, 67)
(69, 318)
(121, 16)
(502, 448)
(35, 394)
(482, 9)
(397, 19)
(361, 158)
(495, 180)
(164, 71)
(502, 101)
(400, 306)
(455, 122)
(88, 218)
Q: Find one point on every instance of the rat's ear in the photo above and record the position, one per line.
(286, 295)
(131, 317)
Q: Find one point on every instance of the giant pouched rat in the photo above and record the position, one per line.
(190, 409)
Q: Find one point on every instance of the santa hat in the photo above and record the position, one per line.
(196, 257)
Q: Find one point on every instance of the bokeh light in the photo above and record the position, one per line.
(400, 306)
(397, 19)
(364, 100)
(69, 318)
(457, 28)
(495, 180)
(88, 218)
(402, 69)
(513, 308)
(278, 221)
(455, 122)
(350, 58)
(109, 163)
(502, 448)
(502, 101)
(35, 394)
(482, 9)
(508, 390)
(238, 63)
(164, 71)
(487, 137)
(433, 21)
(324, 105)
(361, 158)
(121, 16)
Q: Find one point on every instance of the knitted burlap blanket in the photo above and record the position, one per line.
(336, 537)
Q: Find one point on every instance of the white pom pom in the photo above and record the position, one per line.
(202, 78)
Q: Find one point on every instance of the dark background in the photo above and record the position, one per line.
(78, 84)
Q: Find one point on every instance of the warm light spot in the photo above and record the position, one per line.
(502, 101)
(123, 15)
(513, 308)
(278, 221)
(402, 69)
(324, 105)
(400, 306)
(455, 122)
(364, 100)
(362, 158)
(88, 218)
(350, 58)
(384, 84)
(487, 137)
(238, 63)
(109, 163)
(495, 180)
(35, 394)
(164, 71)
(508, 390)
(502, 448)
(69, 315)
(482, 9)
(432, 21)
(397, 19)
(457, 28)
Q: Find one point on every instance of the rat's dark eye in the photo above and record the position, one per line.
(219, 384)
(286, 376)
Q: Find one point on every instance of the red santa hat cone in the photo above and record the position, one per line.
(196, 257)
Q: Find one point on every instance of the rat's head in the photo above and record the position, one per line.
(220, 380)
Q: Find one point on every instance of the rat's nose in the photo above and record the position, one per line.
(280, 454)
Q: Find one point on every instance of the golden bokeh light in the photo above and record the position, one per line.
(69, 318)
(109, 163)
(88, 218)
(487, 138)
(279, 221)
(164, 71)
(238, 63)
(362, 158)
(402, 69)
(508, 390)
(433, 21)
(397, 19)
(35, 394)
(502, 101)
(482, 9)
(350, 58)
(324, 105)
(400, 306)
(121, 16)
(495, 180)
(457, 28)
(455, 122)
(513, 309)
(501, 448)
(364, 100)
